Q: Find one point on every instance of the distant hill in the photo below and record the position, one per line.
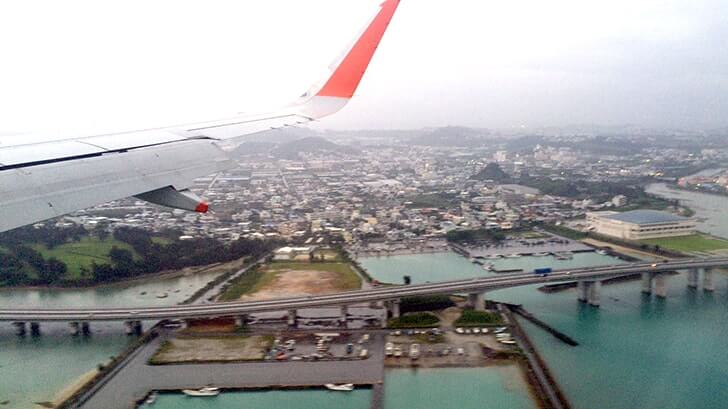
(452, 136)
(312, 144)
(491, 172)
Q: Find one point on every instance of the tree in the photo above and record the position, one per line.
(123, 261)
(52, 271)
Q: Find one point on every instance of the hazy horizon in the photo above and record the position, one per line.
(88, 65)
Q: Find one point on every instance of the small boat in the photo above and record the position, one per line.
(540, 254)
(602, 252)
(499, 330)
(488, 267)
(503, 335)
(514, 255)
(162, 295)
(507, 341)
(206, 391)
(344, 387)
(151, 398)
(563, 256)
(143, 293)
(484, 331)
(493, 256)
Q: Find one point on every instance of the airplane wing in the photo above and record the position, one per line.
(42, 180)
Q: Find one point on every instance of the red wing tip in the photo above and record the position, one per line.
(202, 207)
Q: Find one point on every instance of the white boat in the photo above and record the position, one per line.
(499, 330)
(602, 252)
(540, 254)
(206, 391)
(563, 256)
(493, 257)
(488, 267)
(345, 387)
(151, 398)
(162, 295)
(507, 341)
(514, 255)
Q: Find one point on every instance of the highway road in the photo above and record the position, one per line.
(384, 293)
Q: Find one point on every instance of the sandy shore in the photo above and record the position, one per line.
(69, 389)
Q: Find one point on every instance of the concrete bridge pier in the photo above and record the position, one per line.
(647, 283)
(708, 284)
(661, 285)
(393, 308)
(35, 329)
(582, 291)
(132, 327)
(476, 301)
(693, 274)
(344, 316)
(242, 320)
(292, 316)
(595, 288)
(20, 328)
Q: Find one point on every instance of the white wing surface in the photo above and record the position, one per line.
(42, 180)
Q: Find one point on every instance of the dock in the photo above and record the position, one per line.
(546, 327)
(538, 373)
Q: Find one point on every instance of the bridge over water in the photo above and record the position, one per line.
(654, 276)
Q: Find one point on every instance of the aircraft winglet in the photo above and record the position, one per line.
(348, 73)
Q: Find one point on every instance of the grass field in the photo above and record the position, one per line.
(253, 281)
(82, 253)
(695, 242)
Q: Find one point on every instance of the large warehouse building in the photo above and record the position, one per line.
(640, 224)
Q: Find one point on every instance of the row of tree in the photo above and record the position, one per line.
(21, 264)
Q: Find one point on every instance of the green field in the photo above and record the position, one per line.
(695, 242)
(82, 253)
(256, 279)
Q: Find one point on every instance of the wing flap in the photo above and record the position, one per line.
(45, 191)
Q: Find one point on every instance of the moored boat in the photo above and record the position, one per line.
(344, 387)
(206, 391)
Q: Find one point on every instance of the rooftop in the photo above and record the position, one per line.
(645, 217)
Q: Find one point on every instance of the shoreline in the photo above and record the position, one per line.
(69, 390)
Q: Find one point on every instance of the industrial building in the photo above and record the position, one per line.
(640, 224)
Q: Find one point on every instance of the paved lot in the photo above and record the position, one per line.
(137, 378)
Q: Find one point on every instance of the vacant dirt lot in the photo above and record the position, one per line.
(212, 349)
(292, 283)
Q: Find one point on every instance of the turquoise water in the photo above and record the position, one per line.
(634, 352)
(35, 369)
(463, 388)
(299, 399)
(500, 387)
(450, 266)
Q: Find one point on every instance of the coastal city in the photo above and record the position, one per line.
(390, 210)
(471, 205)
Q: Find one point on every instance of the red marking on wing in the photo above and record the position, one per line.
(202, 207)
(346, 77)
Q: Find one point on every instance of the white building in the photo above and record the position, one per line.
(639, 224)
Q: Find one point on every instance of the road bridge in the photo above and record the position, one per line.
(588, 279)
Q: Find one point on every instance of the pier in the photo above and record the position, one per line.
(538, 372)
(551, 330)
(135, 378)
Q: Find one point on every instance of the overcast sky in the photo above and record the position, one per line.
(101, 65)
